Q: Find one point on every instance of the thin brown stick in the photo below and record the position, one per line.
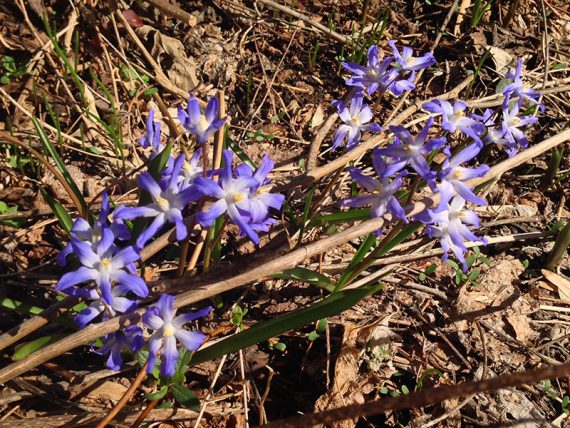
(266, 267)
(125, 398)
(35, 322)
(424, 397)
(306, 19)
(145, 413)
(173, 11)
(160, 77)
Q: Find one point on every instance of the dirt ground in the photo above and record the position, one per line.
(279, 71)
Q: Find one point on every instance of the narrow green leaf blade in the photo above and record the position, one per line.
(27, 348)
(49, 147)
(306, 275)
(331, 305)
(60, 212)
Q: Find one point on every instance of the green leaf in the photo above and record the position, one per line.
(280, 346)
(473, 275)
(454, 265)
(142, 357)
(49, 147)
(313, 335)
(27, 348)
(159, 162)
(364, 248)
(186, 397)
(19, 306)
(240, 153)
(431, 269)
(306, 275)
(342, 217)
(158, 395)
(331, 305)
(405, 390)
(60, 212)
(5, 209)
(322, 325)
(150, 91)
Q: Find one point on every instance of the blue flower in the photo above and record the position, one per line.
(448, 224)
(453, 175)
(198, 124)
(372, 77)
(408, 62)
(260, 200)
(495, 134)
(119, 304)
(355, 119)
(167, 331)
(105, 266)
(234, 196)
(517, 88)
(129, 340)
(453, 117)
(381, 198)
(152, 137)
(83, 231)
(168, 202)
(512, 122)
(399, 86)
(410, 150)
(190, 170)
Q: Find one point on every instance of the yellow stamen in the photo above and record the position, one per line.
(457, 175)
(372, 73)
(238, 197)
(355, 120)
(162, 203)
(105, 262)
(169, 330)
(203, 124)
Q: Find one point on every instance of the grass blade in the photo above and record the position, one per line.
(331, 305)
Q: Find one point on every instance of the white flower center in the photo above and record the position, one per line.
(456, 175)
(202, 124)
(169, 330)
(355, 120)
(105, 265)
(515, 121)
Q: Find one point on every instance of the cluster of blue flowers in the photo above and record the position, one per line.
(450, 220)
(106, 278)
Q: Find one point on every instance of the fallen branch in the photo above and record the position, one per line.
(424, 397)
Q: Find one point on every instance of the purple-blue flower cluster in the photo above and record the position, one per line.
(394, 74)
(450, 220)
(106, 278)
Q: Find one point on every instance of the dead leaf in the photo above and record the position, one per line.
(345, 390)
(501, 58)
(561, 282)
(318, 117)
(166, 49)
(108, 390)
